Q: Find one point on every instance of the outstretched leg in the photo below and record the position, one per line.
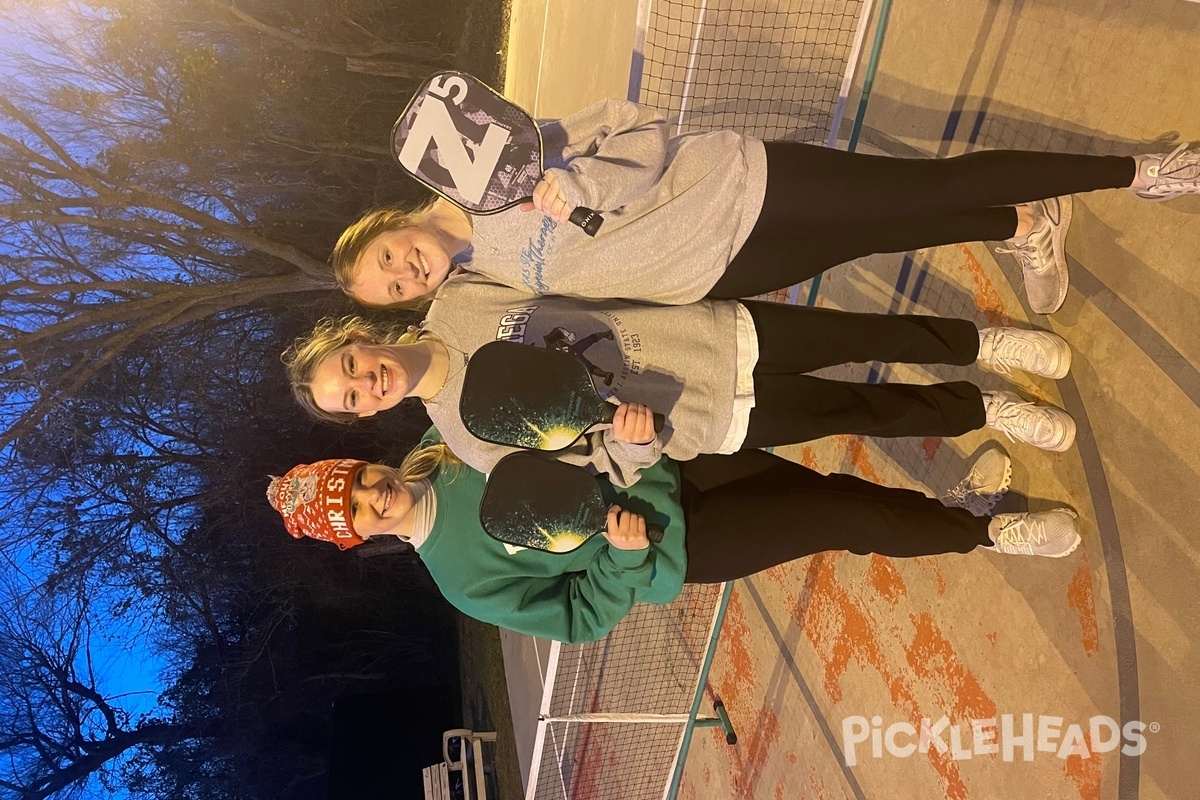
(774, 511)
(767, 263)
(789, 409)
(812, 188)
(795, 339)
(753, 510)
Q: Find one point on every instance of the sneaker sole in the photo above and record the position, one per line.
(1058, 246)
(1007, 480)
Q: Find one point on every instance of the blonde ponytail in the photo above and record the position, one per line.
(427, 459)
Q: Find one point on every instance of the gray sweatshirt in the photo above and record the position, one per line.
(681, 361)
(676, 210)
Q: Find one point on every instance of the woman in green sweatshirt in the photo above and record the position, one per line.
(724, 517)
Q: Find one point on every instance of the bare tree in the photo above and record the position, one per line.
(172, 174)
(139, 193)
(59, 731)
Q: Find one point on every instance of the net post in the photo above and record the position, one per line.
(542, 725)
(681, 758)
(638, 63)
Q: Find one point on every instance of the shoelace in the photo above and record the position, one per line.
(1009, 350)
(959, 494)
(967, 493)
(1171, 169)
(1013, 416)
(1030, 254)
(1010, 533)
(1024, 252)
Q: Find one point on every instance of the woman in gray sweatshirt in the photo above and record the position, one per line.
(722, 215)
(727, 375)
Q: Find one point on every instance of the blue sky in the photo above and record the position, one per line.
(123, 650)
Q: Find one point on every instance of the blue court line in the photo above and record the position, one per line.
(1170, 361)
(968, 77)
(1180, 371)
(1128, 776)
(1188, 379)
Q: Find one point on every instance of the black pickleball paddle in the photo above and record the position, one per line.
(532, 397)
(536, 502)
(473, 147)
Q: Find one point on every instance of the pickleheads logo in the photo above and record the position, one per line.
(1005, 737)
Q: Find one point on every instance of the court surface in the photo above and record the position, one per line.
(828, 644)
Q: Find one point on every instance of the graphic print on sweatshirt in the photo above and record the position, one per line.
(680, 361)
(535, 253)
(545, 403)
(610, 351)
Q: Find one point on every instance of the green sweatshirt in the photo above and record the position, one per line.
(571, 597)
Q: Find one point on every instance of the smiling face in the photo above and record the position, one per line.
(380, 502)
(401, 265)
(363, 379)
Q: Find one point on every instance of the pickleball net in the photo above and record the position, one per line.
(616, 715)
(775, 69)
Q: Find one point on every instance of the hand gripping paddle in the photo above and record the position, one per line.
(536, 502)
(532, 397)
(474, 148)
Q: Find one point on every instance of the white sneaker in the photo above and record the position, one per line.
(1043, 254)
(1047, 427)
(1175, 175)
(985, 484)
(1036, 352)
(1052, 534)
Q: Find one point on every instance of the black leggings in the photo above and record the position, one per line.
(792, 407)
(752, 510)
(824, 207)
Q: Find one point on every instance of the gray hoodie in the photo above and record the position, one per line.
(681, 361)
(676, 210)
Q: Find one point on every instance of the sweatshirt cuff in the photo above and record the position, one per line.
(628, 559)
(649, 453)
(570, 186)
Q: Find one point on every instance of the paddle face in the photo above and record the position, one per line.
(468, 144)
(536, 502)
(531, 397)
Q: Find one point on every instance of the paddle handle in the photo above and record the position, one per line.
(654, 532)
(587, 219)
(609, 410)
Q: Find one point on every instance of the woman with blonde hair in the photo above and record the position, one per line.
(723, 517)
(723, 215)
(727, 376)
